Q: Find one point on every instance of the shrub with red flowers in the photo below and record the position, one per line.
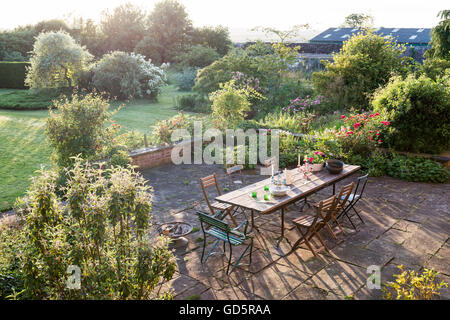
(360, 133)
(314, 157)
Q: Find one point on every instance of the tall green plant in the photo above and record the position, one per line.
(365, 62)
(78, 126)
(102, 228)
(56, 61)
(418, 110)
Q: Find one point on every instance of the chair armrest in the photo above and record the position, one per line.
(218, 215)
(239, 233)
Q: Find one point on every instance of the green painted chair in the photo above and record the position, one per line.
(222, 231)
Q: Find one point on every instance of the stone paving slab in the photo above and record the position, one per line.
(404, 223)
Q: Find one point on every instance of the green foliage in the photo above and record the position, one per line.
(193, 102)
(418, 110)
(56, 61)
(209, 78)
(435, 67)
(295, 123)
(123, 28)
(230, 104)
(12, 243)
(126, 75)
(78, 127)
(17, 42)
(410, 285)
(365, 62)
(290, 147)
(281, 36)
(358, 20)
(163, 129)
(31, 99)
(440, 38)
(167, 34)
(185, 79)
(259, 48)
(90, 35)
(54, 25)
(13, 74)
(197, 56)
(102, 227)
(416, 169)
(217, 38)
(268, 72)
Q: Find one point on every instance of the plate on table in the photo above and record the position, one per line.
(279, 191)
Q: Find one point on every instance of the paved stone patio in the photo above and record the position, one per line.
(405, 223)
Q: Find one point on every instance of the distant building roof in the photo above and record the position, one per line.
(413, 36)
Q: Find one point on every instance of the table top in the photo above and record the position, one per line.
(300, 188)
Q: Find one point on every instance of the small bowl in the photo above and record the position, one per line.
(334, 166)
(279, 191)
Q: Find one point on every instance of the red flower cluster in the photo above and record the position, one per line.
(356, 128)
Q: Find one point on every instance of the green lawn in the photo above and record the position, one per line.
(23, 147)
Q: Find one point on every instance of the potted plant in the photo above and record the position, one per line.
(316, 159)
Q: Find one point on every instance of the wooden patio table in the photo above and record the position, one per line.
(301, 188)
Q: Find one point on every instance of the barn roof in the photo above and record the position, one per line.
(402, 35)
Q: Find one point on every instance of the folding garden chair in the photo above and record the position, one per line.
(354, 198)
(223, 232)
(314, 223)
(225, 209)
(341, 200)
(235, 170)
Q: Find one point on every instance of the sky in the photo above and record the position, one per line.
(242, 14)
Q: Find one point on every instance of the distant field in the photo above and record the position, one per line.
(23, 147)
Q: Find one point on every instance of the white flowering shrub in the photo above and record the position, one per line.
(56, 61)
(128, 75)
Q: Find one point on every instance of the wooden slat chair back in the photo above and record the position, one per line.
(223, 232)
(235, 170)
(330, 217)
(313, 224)
(354, 198)
(211, 181)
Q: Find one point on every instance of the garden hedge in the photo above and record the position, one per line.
(12, 74)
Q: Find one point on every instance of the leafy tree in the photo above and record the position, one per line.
(16, 44)
(51, 25)
(358, 20)
(167, 34)
(259, 48)
(124, 27)
(440, 38)
(435, 67)
(365, 62)
(217, 38)
(56, 61)
(210, 77)
(88, 34)
(197, 56)
(126, 75)
(78, 127)
(231, 103)
(282, 36)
